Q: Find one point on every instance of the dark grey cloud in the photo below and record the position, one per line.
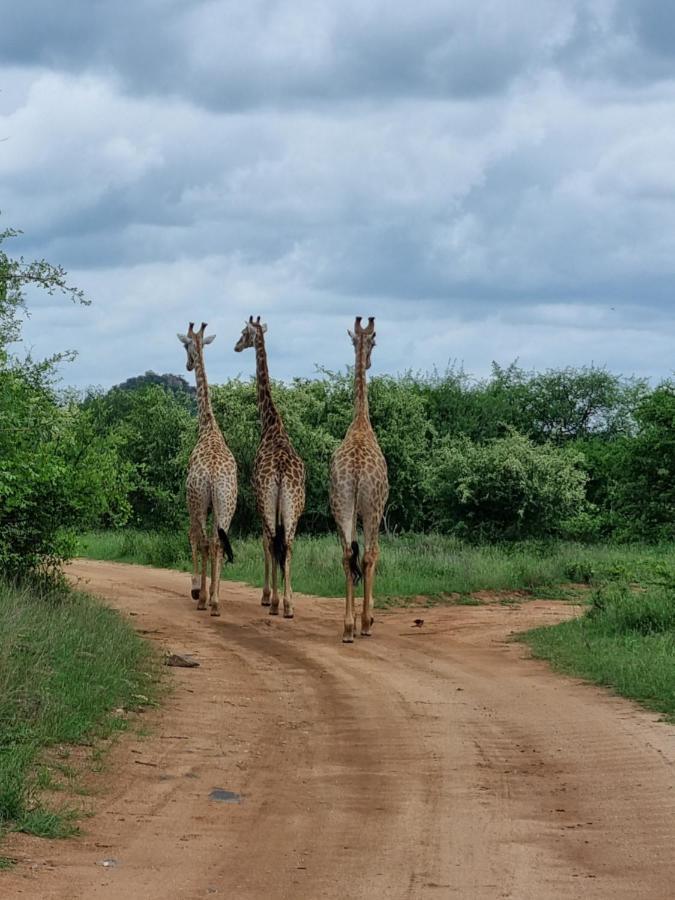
(229, 55)
(627, 42)
(651, 23)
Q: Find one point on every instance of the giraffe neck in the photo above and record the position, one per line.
(206, 417)
(269, 417)
(361, 412)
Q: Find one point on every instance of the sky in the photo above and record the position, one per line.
(492, 181)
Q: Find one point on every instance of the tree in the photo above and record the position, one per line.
(176, 384)
(54, 477)
(644, 479)
(15, 275)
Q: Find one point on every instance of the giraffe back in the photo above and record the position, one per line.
(359, 474)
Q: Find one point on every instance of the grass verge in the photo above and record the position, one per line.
(417, 565)
(625, 641)
(67, 666)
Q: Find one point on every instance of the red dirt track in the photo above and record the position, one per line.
(418, 764)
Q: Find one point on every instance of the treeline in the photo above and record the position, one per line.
(577, 453)
(573, 453)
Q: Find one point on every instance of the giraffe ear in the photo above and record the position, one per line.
(263, 327)
(351, 334)
(183, 338)
(209, 339)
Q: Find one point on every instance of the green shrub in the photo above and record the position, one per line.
(154, 430)
(644, 480)
(56, 475)
(507, 488)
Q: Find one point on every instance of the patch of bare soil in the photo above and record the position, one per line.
(428, 761)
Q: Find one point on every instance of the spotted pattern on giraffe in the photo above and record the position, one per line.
(359, 489)
(211, 483)
(278, 479)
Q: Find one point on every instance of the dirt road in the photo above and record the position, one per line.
(425, 763)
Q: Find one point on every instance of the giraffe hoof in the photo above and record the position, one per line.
(348, 637)
(366, 632)
(274, 610)
(288, 614)
(215, 611)
(201, 604)
(195, 593)
(265, 601)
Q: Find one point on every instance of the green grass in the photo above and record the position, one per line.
(49, 823)
(429, 566)
(626, 641)
(66, 662)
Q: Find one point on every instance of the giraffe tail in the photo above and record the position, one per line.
(280, 547)
(226, 545)
(354, 563)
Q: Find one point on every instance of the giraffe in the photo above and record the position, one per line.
(211, 481)
(278, 478)
(359, 487)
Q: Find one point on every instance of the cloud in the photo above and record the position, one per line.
(457, 163)
(228, 55)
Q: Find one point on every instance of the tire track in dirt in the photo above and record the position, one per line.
(421, 763)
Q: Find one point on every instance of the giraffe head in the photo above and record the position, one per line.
(194, 342)
(248, 335)
(363, 337)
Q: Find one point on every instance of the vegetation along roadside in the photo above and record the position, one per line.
(71, 669)
(626, 640)
(411, 565)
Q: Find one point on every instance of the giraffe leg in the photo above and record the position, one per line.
(200, 546)
(274, 608)
(288, 591)
(370, 558)
(345, 519)
(204, 547)
(194, 544)
(265, 599)
(216, 563)
(204, 552)
(348, 633)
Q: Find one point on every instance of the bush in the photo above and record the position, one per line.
(643, 485)
(507, 488)
(56, 475)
